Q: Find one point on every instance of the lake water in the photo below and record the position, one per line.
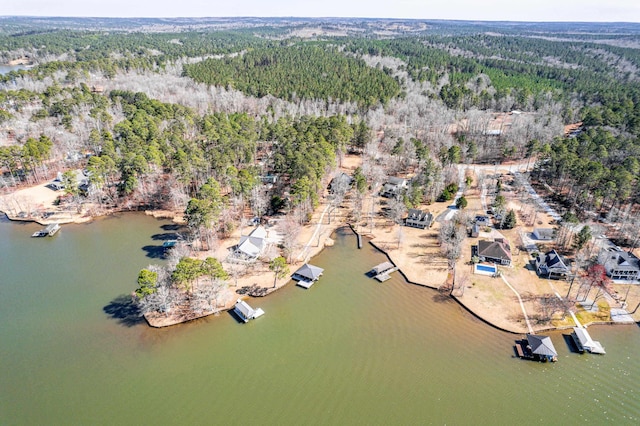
(347, 351)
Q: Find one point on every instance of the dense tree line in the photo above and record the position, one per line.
(298, 72)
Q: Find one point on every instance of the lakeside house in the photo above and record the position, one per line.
(619, 264)
(307, 274)
(251, 246)
(418, 219)
(552, 265)
(394, 187)
(497, 251)
(544, 234)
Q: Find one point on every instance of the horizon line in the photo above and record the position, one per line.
(322, 17)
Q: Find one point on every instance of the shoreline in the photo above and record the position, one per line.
(157, 320)
(477, 315)
(415, 253)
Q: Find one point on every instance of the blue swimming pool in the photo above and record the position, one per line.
(486, 268)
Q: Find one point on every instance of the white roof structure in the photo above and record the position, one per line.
(253, 244)
(587, 342)
(246, 312)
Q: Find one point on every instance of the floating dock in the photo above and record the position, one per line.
(246, 312)
(584, 342)
(48, 231)
(382, 271)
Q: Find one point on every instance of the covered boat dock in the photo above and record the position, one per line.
(537, 348)
(48, 231)
(246, 312)
(307, 274)
(584, 342)
(382, 271)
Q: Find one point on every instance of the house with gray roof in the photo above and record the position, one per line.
(552, 265)
(340, 184)
(418, 219)
(544, 234)
(251, 246)
(394, 187)
(619, 264)
(497, 251)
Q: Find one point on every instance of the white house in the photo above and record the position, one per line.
(251, 246)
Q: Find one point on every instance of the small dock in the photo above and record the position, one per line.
(382, 271)
(584, 342)
(48, 231)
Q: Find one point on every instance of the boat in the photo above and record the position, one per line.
(246, 312)
(48, 231)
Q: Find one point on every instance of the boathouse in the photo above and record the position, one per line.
(382, 271)
(48, 231)
(537, 348)
(584, 342)
(307, 274)
(246, 312)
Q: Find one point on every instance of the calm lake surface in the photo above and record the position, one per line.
(347, 351)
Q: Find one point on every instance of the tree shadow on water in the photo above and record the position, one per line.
(155, 252)
(171, 227)
(124, 310)
(165, 236)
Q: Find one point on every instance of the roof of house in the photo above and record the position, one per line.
(252, 244)
(553, 260)
(544, 232)
(419, 215)
(309, 271)
(621, 260)
(243, 308)
(382, 267)
(341, 179)
(498, 249)
(396, 181)
(541, 345)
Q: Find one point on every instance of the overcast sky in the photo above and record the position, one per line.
(512, 10)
